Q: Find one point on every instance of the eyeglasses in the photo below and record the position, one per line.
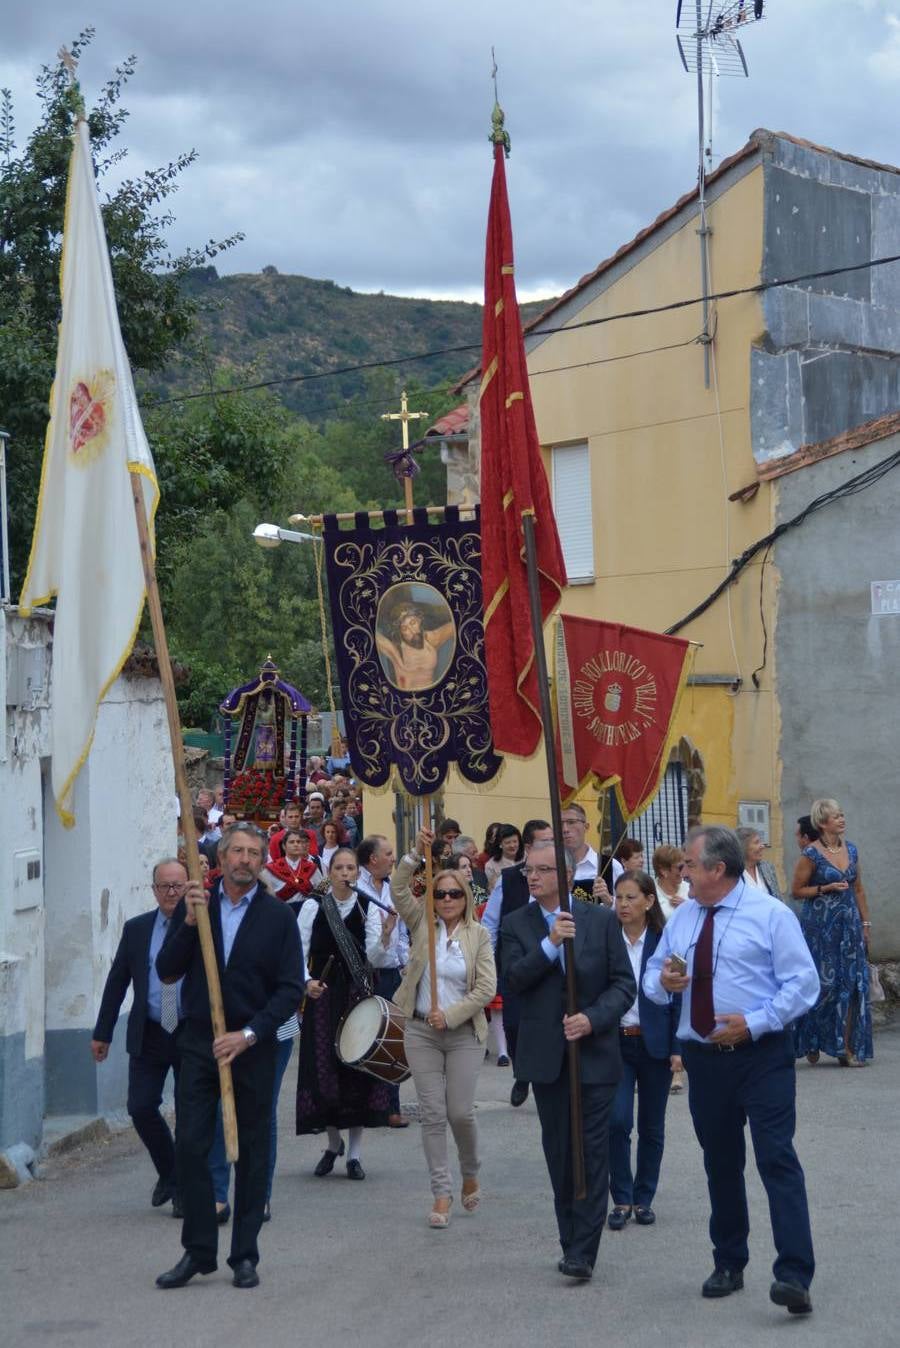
(539, 870)
(170, 887)
(449, 893)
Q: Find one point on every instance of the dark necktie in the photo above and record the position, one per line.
(703, 1016)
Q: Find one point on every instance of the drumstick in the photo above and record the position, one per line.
(325, 972)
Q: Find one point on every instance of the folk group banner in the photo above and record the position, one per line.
(618, 690)
(406, 611)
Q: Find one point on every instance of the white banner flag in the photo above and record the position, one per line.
(85, 548)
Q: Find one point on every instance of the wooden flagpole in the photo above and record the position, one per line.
(216, 1006)
(540, 660)
(404, 416)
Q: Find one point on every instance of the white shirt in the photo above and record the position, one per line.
(308, 914)
(666, 904)
(396, 953)
(452, 978)
(588, 867)
(635, 954)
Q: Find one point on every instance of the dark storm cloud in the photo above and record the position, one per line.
(349, 140)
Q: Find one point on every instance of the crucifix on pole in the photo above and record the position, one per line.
(404, 416)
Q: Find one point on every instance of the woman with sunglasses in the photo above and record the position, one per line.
(445, 1047)
(671, 887)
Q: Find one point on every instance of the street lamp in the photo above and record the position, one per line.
(271, 536)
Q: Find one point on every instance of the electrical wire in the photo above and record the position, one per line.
(851, 487)
(760, 288)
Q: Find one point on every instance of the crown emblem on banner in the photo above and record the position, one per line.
(613, 699)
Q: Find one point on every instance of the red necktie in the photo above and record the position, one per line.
(703, 1016)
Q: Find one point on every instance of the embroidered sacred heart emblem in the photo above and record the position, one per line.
(89, 409)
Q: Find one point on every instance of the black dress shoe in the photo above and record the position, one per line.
(575, 1268)
(792, 1295)
(722, 1282)
(184, 1270)
(618, 1218)
(355, 1170)
(244, 1274)
(519, 1094)
(326, 1163)
(177, 1207)
(162, 1192)
(223, 1214)
(644, 1216)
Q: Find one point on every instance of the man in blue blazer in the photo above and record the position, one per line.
(150, 1038)
(534, 968)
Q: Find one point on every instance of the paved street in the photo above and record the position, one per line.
(80, 1248)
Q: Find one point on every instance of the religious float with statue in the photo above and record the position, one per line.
(265, 746)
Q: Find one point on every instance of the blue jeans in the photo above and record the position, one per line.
(219, 1168)
(653, 1077)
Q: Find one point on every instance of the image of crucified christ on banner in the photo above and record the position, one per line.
(415, 635)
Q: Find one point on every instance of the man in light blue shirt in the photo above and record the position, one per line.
(749, 975)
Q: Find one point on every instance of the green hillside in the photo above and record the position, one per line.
(271, 326)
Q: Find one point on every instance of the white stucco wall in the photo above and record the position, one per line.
(55, 953)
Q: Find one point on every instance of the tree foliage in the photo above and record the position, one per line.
(155, 315)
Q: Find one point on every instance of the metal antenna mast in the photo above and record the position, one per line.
(705, 31)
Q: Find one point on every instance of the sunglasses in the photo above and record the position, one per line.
(449, 893)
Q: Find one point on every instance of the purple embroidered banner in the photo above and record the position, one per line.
(406, 610)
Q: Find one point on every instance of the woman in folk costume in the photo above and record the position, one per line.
(296, 874)
(330, 1096)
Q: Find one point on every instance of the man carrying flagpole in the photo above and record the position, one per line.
(523, 574)
(93, 545)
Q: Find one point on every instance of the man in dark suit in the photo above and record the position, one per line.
(534, 967)
(258, 954)
(150, 1038)
(513, 895)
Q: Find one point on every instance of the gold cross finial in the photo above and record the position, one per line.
(404, 416)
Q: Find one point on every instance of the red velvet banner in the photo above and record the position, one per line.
(618, 690)
(513, 483)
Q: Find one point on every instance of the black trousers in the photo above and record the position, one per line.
(253, 1074)
(147, 1072)
(580, 1221)
(511, 1016)
(755, 1084)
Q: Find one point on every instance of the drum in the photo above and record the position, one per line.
(370, 1039)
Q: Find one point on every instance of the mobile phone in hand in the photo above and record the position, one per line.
(677, 965)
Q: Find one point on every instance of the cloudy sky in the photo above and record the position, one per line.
(347, 138)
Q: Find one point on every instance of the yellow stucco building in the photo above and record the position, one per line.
(661, 479)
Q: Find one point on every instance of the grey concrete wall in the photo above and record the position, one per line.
(837, 668)
(21, 1093)
(829, 358)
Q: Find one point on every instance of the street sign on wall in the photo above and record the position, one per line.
(885, 597)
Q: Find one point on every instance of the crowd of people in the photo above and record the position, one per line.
(314, 921)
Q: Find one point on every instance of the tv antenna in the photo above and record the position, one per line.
(706, 33)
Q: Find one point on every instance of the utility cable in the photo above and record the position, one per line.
(760, 288)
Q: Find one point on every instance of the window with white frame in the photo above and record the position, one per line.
(572, 506)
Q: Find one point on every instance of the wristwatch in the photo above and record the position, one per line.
(249, 1036)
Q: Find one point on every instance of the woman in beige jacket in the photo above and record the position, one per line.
(445, 1048)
